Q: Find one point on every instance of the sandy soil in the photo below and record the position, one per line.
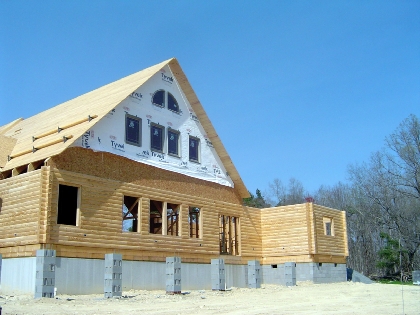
(305, 298)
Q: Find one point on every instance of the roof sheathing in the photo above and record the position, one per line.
(208, 127)
(98, 103)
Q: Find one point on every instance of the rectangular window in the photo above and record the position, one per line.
(328, 226)
(194, 145)
(229, 235)
(172, 219)
(173, 142)
(132, 130)
(194, 222)
(155, 226)
(68, 205)
(156, 137)
(130, 212)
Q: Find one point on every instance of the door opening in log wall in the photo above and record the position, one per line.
(228, 235)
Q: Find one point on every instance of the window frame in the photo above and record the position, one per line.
(139, 143)
(135, 216)
(164, 98)
(328, 231)
(178, 146)
(156, 218)
(176, 213)
(198, 149)
(162, 128)
(198, 226)
(169, 94)
(78, 204)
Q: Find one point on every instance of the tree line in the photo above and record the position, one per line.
(381, 199)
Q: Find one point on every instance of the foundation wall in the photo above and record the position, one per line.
(86, 276)
(18, 275)
(314, 272)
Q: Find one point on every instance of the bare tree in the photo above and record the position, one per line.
(281, 195)
(390, 186)
(276, 192)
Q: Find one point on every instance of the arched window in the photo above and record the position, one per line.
(172, 103)
(159, 98)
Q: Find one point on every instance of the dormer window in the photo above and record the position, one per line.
(163, 99)
(158, 98)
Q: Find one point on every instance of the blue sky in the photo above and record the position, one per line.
(294, 88)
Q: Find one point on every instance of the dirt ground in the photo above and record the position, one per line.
(305, 298)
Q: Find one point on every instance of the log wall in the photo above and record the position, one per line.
(285, 234)
(99, 227)
(29, 203)
(20, 199)
(296, 233)
(330, 247)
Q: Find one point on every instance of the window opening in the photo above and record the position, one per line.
(194, 222)
(68, 205)
(228, 235)
(159, 98)
(130, 211)
(156, 137)
(328, 226)
(194, 145)
(172, 219)
(172, 103)
(132, 130)
(173, 142)
(155, 217)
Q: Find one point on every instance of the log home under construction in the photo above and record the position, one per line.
(135, 167)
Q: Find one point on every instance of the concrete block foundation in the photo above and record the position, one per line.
(113, 276)
(314, 272)
(254, 274)
(45, 273)
(218, 278)
(86, 276)
(290, 274)
(173, 275)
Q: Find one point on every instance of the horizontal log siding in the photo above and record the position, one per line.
(19, 213)
(332, 245)
(100, 228)
(285, 233)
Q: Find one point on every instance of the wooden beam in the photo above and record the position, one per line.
(78, 122)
